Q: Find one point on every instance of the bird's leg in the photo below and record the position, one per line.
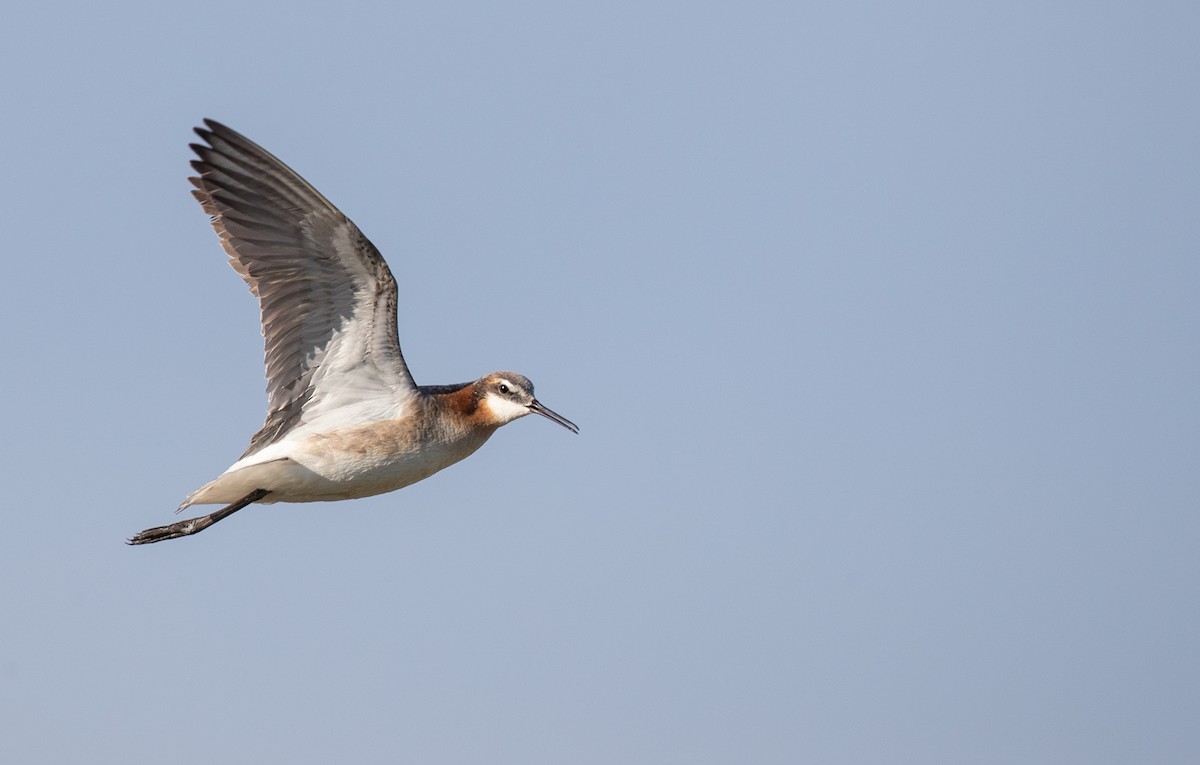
(193, 525)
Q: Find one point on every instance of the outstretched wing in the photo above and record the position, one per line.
(328, 299)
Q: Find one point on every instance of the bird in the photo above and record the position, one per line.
(345, 418)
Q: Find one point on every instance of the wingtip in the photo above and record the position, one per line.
(211, 128)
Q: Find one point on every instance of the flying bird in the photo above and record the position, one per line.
(344, 417)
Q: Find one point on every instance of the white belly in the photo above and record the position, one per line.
(357, 462)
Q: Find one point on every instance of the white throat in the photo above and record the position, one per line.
(505, 410)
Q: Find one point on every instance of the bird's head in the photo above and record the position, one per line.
(508, 395)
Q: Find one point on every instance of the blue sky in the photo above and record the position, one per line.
(879, 322)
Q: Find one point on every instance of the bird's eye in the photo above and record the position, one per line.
(504, 389)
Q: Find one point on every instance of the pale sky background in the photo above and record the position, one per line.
(880, 322)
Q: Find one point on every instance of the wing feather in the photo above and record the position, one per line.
(326, 296)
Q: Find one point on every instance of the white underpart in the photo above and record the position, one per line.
(506, 410)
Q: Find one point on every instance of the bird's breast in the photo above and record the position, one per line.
(383, 456)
